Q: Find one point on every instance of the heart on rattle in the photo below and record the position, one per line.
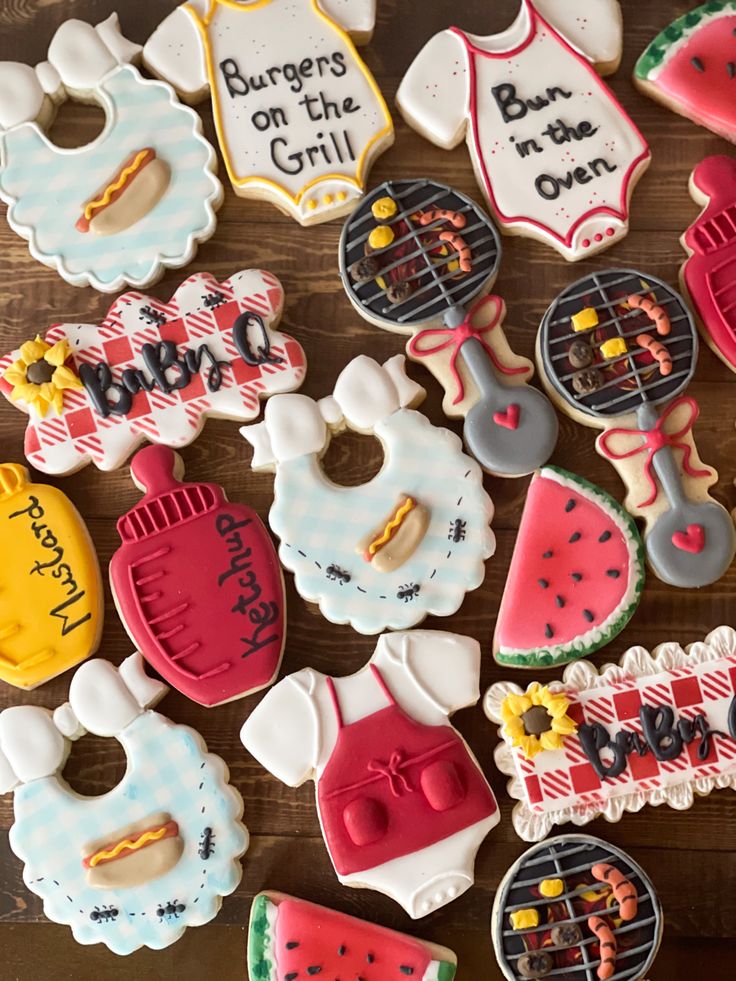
(692, 540)
(508, 419)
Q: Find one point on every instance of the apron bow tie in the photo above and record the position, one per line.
(392, 770)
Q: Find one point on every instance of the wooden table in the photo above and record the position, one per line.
(691, 856)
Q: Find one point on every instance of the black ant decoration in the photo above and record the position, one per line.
(152, 316)
(102, 914)
(206, 844)
(213, 300)
(167, 910)
(408, 592)
(457, 530)
(336, 574)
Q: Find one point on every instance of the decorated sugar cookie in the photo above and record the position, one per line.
(402, 802)
(576, 575)
(576, 906)
(659, 728)
(135, 201)
(138, 865)
(299, 117)
(555, 153)
(412, 257)
(151, 370)
(198, 584)
(410, 542)
(690, 67)
(51, 600)
(612, 348)
(290, 938)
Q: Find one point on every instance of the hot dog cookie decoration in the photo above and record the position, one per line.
(414, 258)
(658, 728)
(574, 907)
(198, 584)
(138, 865)
(612, 348)
(152, 370)
(409, 543)
(51, 599)
(556, 155)
(300, 120)
(138, 199)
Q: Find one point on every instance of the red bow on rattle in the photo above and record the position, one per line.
(392, 771)
(654, 440)
(455, 337)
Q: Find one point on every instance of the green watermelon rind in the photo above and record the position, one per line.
(657, 53)
(573, 650)
(260, 966)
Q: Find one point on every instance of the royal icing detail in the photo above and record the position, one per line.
(412, 258)
(576, 575)
(198, 584)
(135, 201)
(51, 600)
(594, 29)
(138, 865)
(612, 347)
(300, 120)
(154, 370)
(402, 802)
(658, 729)
(556, 154)
(588, 908)
(422, 564)
(691, 67)
(290, 938)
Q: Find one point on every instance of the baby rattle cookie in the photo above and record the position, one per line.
(576, 574)
(659, 728)
(555, 153)
(413, 258)
(690, 67)
(135, 201)
(613, 347)
(290, 938)
(152, 370)
(198, 584)
(576, 906)
(51, 599)
(300, 119)
(403, 804)
(409, 543)
(138, 865)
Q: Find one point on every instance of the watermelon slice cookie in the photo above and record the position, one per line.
(691, 67)
(576, 574)
(292, 940)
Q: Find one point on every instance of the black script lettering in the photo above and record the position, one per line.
(98, 382)
(34, 510)
(236, 84)
(241, 336)
(659, 731)
(58, 611)
(193, 360)
(513, 108)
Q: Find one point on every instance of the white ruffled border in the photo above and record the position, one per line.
(637, 662)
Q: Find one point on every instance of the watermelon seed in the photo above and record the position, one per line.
(548, 631)
(548, 555)
(613, 573)
(697, 64)
(406, 970)
(292, 945)
(543, 583)
(570, 505)
(576, 576)
(605, 536)
(588, 616)
(731, 68)
(575, 537)
(559, 601)
(314, 970)
(370, 958)
(292, 976)
(341, 950)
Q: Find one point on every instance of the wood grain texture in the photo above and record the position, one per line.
(691, 856)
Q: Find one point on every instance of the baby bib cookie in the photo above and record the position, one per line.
(690, 67)
(138, 865)
(576, 574)
(152, 370)
(556, 155)
(290, 938)
(51, 599)
(409, 543)
(659, 728)
(135, 201)
(403, 804)
(300, 119)
(198, 584)
(575, 905)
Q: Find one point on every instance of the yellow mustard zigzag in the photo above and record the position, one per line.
(112, 188)
(129, 843)
(392, 525)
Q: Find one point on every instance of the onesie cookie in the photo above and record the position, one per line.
(690, 67)
(556, 154)
(152, 370)
(659, 728)
(290, 938)
(198, 584)
(576, 574)
(576, 905)
(300, 118)
(51, 600)
(135, 201)
(612, 348)
(414, 257)
(409, 543)
(138, 865)
(402, 802)
(594, 29)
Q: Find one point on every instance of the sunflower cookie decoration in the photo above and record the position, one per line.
(41, 375)
(537, 720)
